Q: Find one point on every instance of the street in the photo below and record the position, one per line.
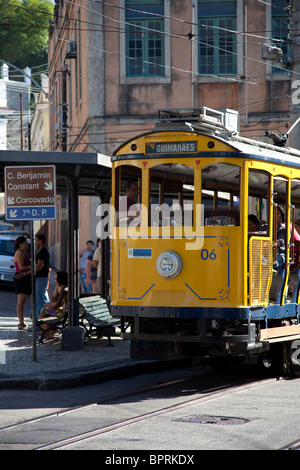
(145, 413)
(178, 410)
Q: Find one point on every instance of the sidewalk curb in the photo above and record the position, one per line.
(77, 378)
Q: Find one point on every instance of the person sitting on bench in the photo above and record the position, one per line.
(58, 302)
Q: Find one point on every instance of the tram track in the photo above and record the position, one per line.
(103, 401)
(210, 394)
(180, 393)
(295, 445)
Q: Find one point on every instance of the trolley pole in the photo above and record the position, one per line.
(294, 138)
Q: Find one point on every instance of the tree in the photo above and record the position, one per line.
(24, 31)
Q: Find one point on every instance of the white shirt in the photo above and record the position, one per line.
(97, 257)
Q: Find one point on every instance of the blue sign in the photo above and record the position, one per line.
(30, 213)
(139, 253)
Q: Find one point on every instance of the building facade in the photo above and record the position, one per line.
(39, 129)
(14, 110)
(14, 115)
(112, 65)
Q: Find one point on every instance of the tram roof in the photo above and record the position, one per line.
(250, 148)
(264, 151)
(92, 171)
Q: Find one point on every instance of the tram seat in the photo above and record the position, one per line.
(94, 311)
(53, 323)
(221, 217)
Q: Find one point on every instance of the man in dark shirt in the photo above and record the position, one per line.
(42, 271)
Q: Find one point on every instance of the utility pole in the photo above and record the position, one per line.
(73, 336)
(64, 130)
(64, 198)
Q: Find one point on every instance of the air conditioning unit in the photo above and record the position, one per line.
(71, 50)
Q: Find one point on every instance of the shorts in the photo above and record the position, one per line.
(23, 285)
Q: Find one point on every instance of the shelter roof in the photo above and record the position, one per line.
(91, 171)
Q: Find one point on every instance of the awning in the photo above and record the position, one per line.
(90, 171)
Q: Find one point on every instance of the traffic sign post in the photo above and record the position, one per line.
(30, 194)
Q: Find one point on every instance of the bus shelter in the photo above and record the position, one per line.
(77, 174)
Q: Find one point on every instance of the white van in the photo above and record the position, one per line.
(7, 252)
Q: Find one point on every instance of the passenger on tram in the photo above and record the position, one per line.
(280, 259)
(132, 193)
(253, 223)
(129, 209)
(281, 234)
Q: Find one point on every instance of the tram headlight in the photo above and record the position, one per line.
(168, 264)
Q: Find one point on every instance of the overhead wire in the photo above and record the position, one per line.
(190, 23)
(144, 29)
(177, 36)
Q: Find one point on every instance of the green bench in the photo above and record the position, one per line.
(94, 311)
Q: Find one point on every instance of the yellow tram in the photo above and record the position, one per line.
(187, 274)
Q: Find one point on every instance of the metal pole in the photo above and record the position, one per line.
(33, 301)
(21, 119)
(73, 251)
(64, 110)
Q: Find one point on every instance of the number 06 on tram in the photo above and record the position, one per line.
(189, 276)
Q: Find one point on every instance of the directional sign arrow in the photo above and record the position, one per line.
(10, 200)
(48, 185)
(13, 213)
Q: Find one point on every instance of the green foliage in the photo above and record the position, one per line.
(24, 31)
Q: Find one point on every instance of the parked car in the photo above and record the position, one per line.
(4, 226)
(15, 233)
(7, 251)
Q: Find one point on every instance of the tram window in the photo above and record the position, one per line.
(171, 195)
(258, 198)
(128, 180)
(294, 260)
(295, 197)
(221, 194)
(280, 193)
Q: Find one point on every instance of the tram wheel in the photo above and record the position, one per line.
(291, 357)
(219, 364)
(271, 361)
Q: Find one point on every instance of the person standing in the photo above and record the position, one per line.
(83, 255)
(97, 263)
(42, 271)
(91, 271)
(22, 278)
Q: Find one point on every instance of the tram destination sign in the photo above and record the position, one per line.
(189, 146)
(30, 192)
